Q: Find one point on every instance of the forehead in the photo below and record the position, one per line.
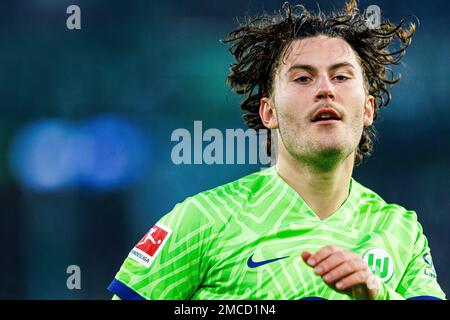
(320, 52)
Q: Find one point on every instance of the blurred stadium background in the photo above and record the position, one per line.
(87, 116)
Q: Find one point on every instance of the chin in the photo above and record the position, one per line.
(332, 153)
(330, 145)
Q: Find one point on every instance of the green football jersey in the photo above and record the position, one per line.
(243, 240)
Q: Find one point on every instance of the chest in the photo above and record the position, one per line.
(269, 265)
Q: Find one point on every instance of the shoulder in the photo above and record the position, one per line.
(389, 214)
(217, 206)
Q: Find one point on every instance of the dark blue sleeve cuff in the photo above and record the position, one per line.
(423, 298)
(123, 291)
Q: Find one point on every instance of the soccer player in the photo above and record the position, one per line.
(304, 228)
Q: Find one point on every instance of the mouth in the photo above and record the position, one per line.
(326, 121)
(326, 115)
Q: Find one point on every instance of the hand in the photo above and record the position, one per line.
(343, 271)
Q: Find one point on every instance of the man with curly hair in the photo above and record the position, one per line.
(304, 228)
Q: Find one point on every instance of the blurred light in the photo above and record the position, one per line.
(40, 155)
(115, 152)
(104, 153)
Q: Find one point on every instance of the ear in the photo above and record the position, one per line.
(267, 113)
(369, 108)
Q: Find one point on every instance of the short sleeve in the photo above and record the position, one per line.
(170, 260)
(420, 279)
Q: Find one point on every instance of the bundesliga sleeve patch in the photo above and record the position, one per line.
(150, 245)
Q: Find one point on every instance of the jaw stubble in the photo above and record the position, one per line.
(311, 152)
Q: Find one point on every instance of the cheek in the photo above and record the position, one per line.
(357, 125)
(286, 109)
(294, 104)
(352, 90)
(354, 101)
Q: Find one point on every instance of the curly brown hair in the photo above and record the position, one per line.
(260, 43)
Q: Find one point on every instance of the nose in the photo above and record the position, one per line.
(325, 90)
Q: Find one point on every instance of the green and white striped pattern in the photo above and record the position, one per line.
(216, 231)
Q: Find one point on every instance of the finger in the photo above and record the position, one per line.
(346, 268)
(305, 255)
(332, 261)
(359, 277)
(360, 292)
(322, 254)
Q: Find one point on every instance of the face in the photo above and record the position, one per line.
(320, 75)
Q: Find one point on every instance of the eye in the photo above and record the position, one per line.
(341, 78)
(303, 79)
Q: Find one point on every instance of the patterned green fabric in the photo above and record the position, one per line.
(260, 217)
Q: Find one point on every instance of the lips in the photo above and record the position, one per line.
(326, 114)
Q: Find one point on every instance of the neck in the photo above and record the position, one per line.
(323, 190)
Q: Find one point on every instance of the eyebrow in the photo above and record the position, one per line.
(313, 69)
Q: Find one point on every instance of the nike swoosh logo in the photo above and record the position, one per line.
(255, 264)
